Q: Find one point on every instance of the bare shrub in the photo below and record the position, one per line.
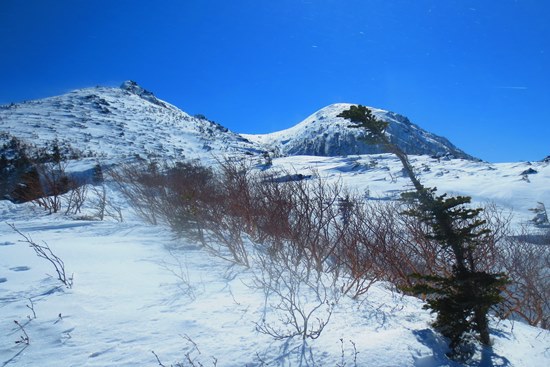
(528, 294)
(226, 212)
(54, 182)
(272, 206)
(541, 216)
(28, 187)
(51, 187)
(192, 355)
(410, 250)
(210, 207)
(225, 208)
(76, 199)
(44, 251)
(306, 232)
(140, 185)
(359, 254)
(379, 243)
(329, 230)
(100, 201)
(314, 220)
(23, 339)
(300, 302)
(302, 214)
(193, 201)
(43, 184)
(185, 191)
(342, 362)
(103, 206)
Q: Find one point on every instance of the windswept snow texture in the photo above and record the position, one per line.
(120, 123)
(325, 134)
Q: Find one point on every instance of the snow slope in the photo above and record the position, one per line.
(325, 134)
(130, 121)
(381, 177)
(137, 289)
(118, 124)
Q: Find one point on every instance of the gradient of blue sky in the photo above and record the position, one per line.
(476, 72)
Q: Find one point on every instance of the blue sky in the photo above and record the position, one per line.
(476, 72)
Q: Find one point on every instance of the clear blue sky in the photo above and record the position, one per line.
(476, 72)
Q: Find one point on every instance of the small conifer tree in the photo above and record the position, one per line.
(462, 299)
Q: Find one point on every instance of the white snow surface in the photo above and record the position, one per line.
(138, 289)
(381, 177)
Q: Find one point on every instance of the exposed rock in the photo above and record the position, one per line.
(136, 89)
(529, 171)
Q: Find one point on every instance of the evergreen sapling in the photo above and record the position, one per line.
(462, 299)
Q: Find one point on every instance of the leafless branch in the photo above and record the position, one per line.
(45, 252)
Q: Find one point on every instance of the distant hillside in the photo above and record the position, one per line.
(130, 121)
(119, 123)
(325, 134)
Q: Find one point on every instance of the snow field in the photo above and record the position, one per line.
(137, 289)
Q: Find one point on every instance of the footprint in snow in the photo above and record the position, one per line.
(20, 268)
(3, 280)
(7, 243)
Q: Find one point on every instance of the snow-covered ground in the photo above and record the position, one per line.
(137, 289)
(381, 177)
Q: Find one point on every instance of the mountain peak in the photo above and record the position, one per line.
(324, 133)
(134, 88)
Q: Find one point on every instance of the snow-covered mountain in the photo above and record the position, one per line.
(119, 123)
(138, 289)
(326, 134)
(130, 121)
